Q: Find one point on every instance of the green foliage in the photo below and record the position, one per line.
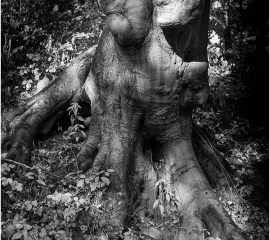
(49, 200)
(93, 182)
(56, 198)
(76, 127)
(40, 38)
(165, 199)
(6, 180)
(227, 116)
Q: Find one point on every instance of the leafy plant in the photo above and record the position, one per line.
(7, 180)
(76, 127)
(40, 38)
(93, 181)
(164, 198)
(75, 202)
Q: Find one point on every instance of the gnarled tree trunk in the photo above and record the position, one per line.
(148, 72)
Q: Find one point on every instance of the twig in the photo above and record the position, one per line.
(21, 164)
(31, 168)
(53, 175)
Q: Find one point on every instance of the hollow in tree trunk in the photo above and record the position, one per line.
(148, 73)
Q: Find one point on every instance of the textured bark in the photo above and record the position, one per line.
(148, 73)
(43, 109)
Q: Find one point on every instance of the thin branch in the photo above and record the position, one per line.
(31, 168)
(218, 21)
(21, 164)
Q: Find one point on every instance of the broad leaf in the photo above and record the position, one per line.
(161, 209)
(40, 181)
(105, 180)
(80, 183)
(155, 203)
(17, 235)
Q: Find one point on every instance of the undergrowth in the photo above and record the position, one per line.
(52, 199)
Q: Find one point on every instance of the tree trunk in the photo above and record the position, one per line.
(148, 73)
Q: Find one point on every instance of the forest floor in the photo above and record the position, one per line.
(53, 200)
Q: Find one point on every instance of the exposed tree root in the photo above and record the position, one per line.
(44, 108)
(141, 101)
(137, 183)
